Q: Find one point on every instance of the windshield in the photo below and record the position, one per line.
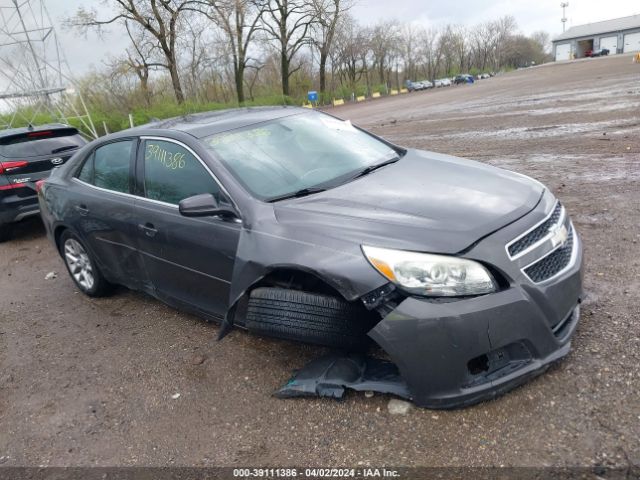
(306, 151)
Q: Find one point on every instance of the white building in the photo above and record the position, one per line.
(620, 35)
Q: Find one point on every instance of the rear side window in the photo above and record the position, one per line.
(172, 173)
(38, 143)
(108, 167)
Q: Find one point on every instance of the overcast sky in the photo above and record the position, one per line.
(531, 15)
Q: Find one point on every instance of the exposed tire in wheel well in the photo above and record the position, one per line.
(304, 282)
(314, 318)
(287, 278)
(297, 280)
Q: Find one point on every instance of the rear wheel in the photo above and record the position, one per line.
(309, 317)
(82, 268)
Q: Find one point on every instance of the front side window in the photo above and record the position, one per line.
(108, 166)
(172, 173)
(301, 151)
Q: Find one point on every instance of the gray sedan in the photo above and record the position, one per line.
(295, 224)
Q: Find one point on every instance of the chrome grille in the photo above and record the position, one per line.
(537, 234)
(553, 263)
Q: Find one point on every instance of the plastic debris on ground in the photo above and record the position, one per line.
(332, 374)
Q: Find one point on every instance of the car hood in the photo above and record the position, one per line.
(425, 202)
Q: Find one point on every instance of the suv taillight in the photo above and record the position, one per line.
(6, 167)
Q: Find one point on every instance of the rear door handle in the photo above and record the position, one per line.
(148, 229)
(82, 209)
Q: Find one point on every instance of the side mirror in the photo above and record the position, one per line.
(204, 205)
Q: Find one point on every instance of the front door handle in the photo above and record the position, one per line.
(82, 209)
(148, 229)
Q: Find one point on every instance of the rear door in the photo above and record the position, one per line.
(188, 260)
(101, 210)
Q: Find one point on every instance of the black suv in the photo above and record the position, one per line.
(27, 155)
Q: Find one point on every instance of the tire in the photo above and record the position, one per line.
(309, 318)
(5, 232)
(84, 272)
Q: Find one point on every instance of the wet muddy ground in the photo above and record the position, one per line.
(96, 382)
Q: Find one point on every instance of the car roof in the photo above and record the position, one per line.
(36, 128)
(209, 123)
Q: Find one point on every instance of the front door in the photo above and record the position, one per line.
(189, 260)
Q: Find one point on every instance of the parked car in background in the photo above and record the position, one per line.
(464, 78)
(296, 224)
(597, 53)
(413, 86)
(426, 84)
(443, 82)
(27, 155)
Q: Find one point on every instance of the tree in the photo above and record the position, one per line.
(408, 49)
(505, 28)
(239, 20)
(483, 42)
(138, 59)
(384, 41)
(432, 47)
(350, 44)
(327, 13)
(288, 22)
(459, 37)
(160, 18)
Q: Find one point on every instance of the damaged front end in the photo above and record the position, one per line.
(455, 352)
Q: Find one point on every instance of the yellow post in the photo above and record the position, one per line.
(393, 92)
(375, 95)
(337, 102)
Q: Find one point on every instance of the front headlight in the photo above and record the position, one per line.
(431, 275)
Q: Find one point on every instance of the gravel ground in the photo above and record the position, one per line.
(96, 382)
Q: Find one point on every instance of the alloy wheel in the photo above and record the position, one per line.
(79, 264)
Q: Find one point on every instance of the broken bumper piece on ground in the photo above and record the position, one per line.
(331, 374)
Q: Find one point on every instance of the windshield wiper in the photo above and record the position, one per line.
(297, 194)
(62, 149)
(371, 168)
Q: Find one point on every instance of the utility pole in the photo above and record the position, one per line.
(564, 5)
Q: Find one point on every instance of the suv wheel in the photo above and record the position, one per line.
(82, 267)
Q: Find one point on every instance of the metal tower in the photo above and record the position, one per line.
(35, 79)
(564, 5)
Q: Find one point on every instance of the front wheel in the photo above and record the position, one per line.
(309, 317)
(82, 268)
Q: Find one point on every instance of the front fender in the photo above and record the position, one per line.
(267, 247)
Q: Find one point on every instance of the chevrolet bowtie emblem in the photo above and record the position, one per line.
(560, 236)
